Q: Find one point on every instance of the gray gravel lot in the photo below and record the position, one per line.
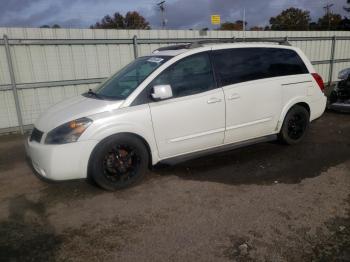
(266, 202)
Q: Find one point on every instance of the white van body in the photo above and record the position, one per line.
(178, 126)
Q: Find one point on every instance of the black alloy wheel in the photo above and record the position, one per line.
(121, 163)
(295, 125)
(118, 162)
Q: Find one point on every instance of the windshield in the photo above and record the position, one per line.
(124, 82)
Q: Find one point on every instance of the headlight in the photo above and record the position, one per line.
(68, 132)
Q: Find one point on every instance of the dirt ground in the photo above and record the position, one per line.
(266, 202)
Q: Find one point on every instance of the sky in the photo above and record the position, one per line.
(181, 14)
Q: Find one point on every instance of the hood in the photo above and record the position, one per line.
(71, 109)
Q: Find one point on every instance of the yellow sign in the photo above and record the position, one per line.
(215, 19)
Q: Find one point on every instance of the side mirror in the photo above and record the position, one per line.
(161, 92)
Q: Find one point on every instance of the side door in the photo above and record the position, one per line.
(194, 118)
(253, 96)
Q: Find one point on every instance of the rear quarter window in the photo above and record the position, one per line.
(245, 64)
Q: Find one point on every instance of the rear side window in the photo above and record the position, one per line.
(245, 64)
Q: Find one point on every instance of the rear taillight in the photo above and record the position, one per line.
(319, 80)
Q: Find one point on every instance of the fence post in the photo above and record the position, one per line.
(13, 84)
(331, 65)
(286, 39)
(134, 41)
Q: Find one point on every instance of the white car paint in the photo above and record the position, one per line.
(189, 123)
(73, 108)
(176, 126)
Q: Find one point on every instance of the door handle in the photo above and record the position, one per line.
(234, 96)
(213, 100)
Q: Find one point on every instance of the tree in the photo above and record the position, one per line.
(329, 22)
(228, 26)
(108, 22)
(313, 26)
(132, 20)
(47, 26)
(256, 28)
(135, 21)
(236, 26)
(344, 24)
(291, 19)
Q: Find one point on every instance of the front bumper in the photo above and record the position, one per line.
(60, 162)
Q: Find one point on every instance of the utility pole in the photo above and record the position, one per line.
(162, 10)
(327, 9)
(243, 22)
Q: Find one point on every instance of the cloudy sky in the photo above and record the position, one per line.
(182, 14)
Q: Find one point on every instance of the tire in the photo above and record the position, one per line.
(118, 162)
(295, 125)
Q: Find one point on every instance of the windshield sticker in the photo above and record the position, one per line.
(155, 60)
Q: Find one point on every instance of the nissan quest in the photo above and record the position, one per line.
(179, 102)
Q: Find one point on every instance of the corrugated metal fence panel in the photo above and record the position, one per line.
(8, 116)
(45, 63)
(4, 73)
(37, 100)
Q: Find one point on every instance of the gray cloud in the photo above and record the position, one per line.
(35, 19)
(15, 5)
(196, 13)
(183, 14)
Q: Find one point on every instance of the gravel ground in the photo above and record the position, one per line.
(266, 202)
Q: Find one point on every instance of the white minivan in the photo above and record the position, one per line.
(179, 102)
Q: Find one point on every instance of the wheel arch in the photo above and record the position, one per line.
(131, 134)
(288, 107)
(146, 144)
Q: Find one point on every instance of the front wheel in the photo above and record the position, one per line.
(295, 125)
(118, 162)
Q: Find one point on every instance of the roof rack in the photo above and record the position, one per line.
(200, 43)
(173, 47)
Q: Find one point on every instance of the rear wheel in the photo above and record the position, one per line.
(118, 162)
(295, 125)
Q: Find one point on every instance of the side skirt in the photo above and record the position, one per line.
(223, 148)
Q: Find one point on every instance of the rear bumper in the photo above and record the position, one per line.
(60, 162)
(318, 107)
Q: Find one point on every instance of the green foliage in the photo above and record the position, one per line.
(236, 26)
(256, 28)
(291, 19)
(297, 19)
(132, 20)
(329, 22)
(47, 26)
